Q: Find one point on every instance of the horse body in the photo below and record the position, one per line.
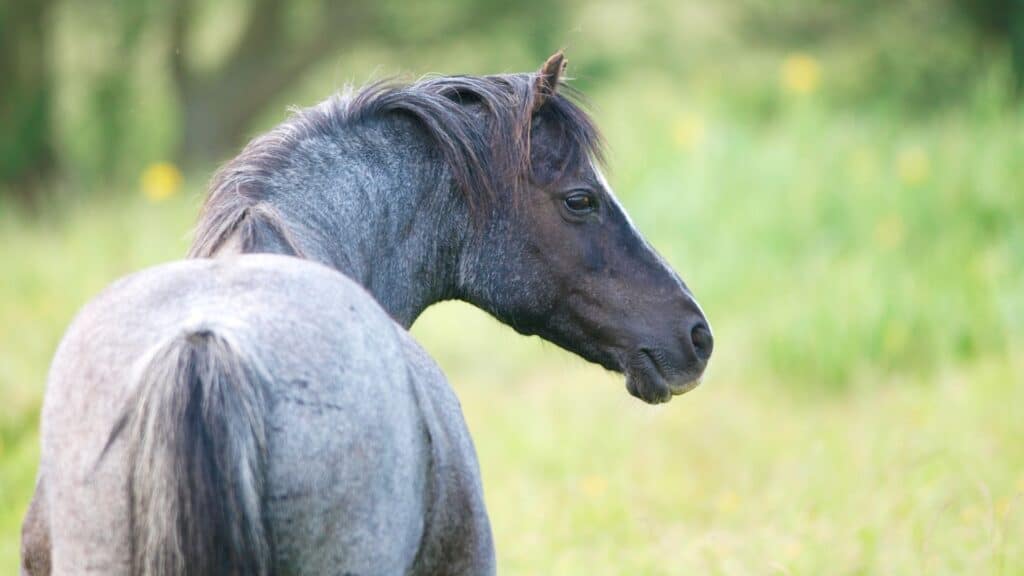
(332, 441)
(368, 465)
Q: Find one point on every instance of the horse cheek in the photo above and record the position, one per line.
(594, 260)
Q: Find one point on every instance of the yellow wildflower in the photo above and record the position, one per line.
(992, 263)
(688, 131)
(968, 515)
(895, 338)
(1003, 508)
(727, 502)
(800, 73)
(792, 550)
(913, 165)
(160, 181)
(889, 232)
(594, 486)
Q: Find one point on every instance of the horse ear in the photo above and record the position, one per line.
(545, 84)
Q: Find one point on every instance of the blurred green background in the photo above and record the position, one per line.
(840, 182)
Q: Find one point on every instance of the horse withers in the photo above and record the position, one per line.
(258, 414)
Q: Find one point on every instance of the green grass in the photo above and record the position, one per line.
(738, 477)
(864, 410)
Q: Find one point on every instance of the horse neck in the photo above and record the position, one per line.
(377, 203)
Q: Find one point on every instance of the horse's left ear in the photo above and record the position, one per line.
(545, 85)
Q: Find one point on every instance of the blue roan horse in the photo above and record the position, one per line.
(244, 413)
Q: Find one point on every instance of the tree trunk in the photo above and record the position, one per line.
(27, 159)
(206, 137)
(1016, 33)
(217, 108)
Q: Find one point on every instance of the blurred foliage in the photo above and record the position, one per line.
(838, 181)
(1002, 20)
(911, 56)
(838, 113)
(143, 79)
(95, 89)
(26, 152)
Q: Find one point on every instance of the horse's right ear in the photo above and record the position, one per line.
(545, 84)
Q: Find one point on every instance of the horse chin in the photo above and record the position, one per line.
(644, 380)
(650, 390)
(682, 386)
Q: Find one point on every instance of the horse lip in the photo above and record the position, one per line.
(644, 378)
(648, 353)
(679, 388)
(649, 392)
(678, 384)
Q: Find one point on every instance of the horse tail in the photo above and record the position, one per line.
(197, 455)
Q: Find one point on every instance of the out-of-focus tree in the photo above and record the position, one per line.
(219, 104)
(26, 91)
(217, 100)
(111, 92)
(1003, 20)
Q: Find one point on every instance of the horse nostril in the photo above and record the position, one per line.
(703, 341)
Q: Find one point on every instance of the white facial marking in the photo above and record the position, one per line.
(615, 202)
(611, 196)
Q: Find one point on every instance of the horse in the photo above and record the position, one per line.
(261, 408)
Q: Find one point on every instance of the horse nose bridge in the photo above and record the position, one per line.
(676, 288)
(672, 288)
(660, 285)
(679, 308)
(660, 267)
(670, 309)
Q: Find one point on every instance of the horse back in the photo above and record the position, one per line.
(347, 455)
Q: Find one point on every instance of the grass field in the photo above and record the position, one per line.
(864, 412)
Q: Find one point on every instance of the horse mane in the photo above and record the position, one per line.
(480, 124)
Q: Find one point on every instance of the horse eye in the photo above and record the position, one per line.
(580, 202)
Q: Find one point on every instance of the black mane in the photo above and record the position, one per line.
(480, 124)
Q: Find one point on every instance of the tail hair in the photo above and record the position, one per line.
(197, 454)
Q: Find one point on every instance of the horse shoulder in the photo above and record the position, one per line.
(457, 538)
